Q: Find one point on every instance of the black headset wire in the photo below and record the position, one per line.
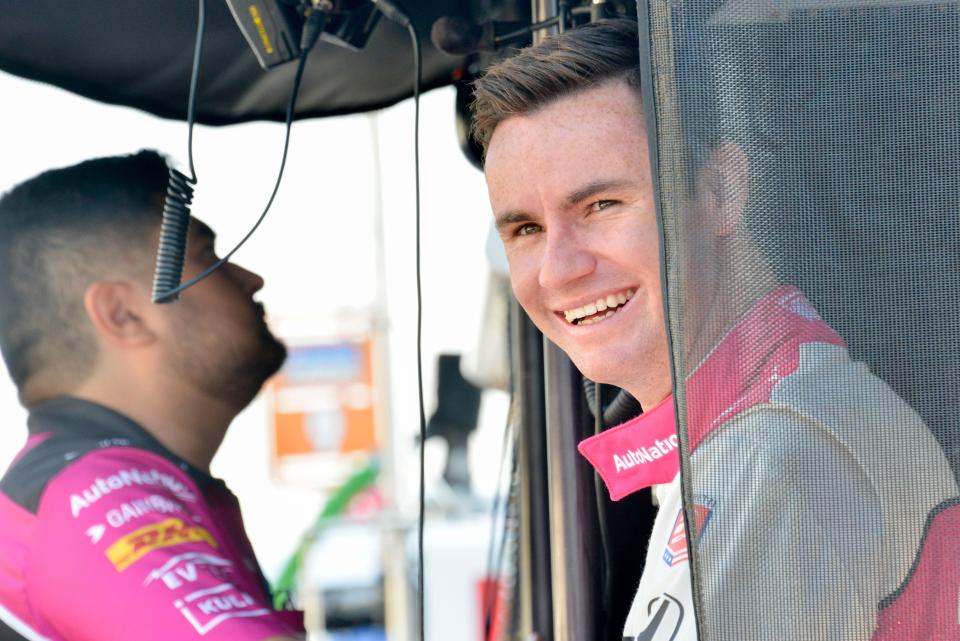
(177, 217)
(415, 39)
(500, 500)
(194, 83)
(179, 196)
(397, 15)
(176, 214)
(605, 570)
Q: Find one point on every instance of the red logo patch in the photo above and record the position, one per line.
(676, 550)
(702, 511)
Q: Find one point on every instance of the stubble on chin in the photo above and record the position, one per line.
(232, 373)
(275, 352)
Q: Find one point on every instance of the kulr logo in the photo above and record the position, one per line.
(134, 546)
(206, 609)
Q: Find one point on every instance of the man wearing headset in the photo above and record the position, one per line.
(570, 184)
(113, 528)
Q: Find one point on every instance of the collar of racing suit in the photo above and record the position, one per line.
(74, 419)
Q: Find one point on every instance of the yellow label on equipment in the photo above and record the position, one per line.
(261, 29)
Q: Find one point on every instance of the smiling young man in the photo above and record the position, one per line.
(113, 528)
(788, 490)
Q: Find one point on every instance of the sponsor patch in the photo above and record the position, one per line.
(702, 513)
(155, 503)
(101, 487)
(676, 549)
(206, 609)
(637, 454)
(185, 568)
(664, 619)
(134, 546)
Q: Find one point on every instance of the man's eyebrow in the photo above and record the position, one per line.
(591, 189)
(511, 218)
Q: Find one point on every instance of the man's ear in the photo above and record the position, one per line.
(114, 307)
(724, 186)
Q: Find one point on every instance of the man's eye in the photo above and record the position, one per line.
(527, 229)
(600, 205)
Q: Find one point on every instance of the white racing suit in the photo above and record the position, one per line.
(811, 482)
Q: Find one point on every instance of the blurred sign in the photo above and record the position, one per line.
(323, 408)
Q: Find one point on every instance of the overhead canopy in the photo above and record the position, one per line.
(139, 53)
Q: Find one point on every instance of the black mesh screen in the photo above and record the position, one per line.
(809, 189)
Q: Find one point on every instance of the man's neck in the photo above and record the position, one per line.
(190, 426)
(711, 318)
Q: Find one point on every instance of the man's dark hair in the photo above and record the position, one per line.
(560, 65)
(63, 230)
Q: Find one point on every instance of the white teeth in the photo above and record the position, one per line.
(610, 302)
(591, 321)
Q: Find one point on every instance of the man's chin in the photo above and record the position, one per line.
(600, 369)
(275, 352)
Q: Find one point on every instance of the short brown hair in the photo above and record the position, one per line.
(561, 65)
(63, 230)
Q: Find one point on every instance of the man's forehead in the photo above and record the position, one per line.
(580, 146)
(604, 119)
(609, 100)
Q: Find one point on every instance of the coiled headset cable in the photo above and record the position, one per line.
(171, 252)
(176, 218)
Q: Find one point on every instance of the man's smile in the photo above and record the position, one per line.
(600, 309)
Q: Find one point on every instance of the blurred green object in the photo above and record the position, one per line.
(335, 506)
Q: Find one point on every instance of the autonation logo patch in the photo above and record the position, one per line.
(101, 487)
(643, 455)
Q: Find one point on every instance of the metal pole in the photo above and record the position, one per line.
(535, 598)
(573, 511)
(398, 600)
(573, 507)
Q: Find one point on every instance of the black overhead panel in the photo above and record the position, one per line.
(138, 53)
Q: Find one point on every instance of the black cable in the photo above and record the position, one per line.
(415, 38)
(605, 570)
(499, 500)
(176, 212)
(175, 224)
(495, 591)
(194, 83)
(397, 15)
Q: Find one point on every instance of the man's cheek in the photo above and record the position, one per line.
(525, 288)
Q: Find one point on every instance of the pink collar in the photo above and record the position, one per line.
(741, 372)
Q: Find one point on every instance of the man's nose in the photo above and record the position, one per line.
(251, 281)
(566, 258)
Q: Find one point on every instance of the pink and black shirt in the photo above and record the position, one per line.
(108, 536)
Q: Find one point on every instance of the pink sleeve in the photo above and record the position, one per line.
(128, 549)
